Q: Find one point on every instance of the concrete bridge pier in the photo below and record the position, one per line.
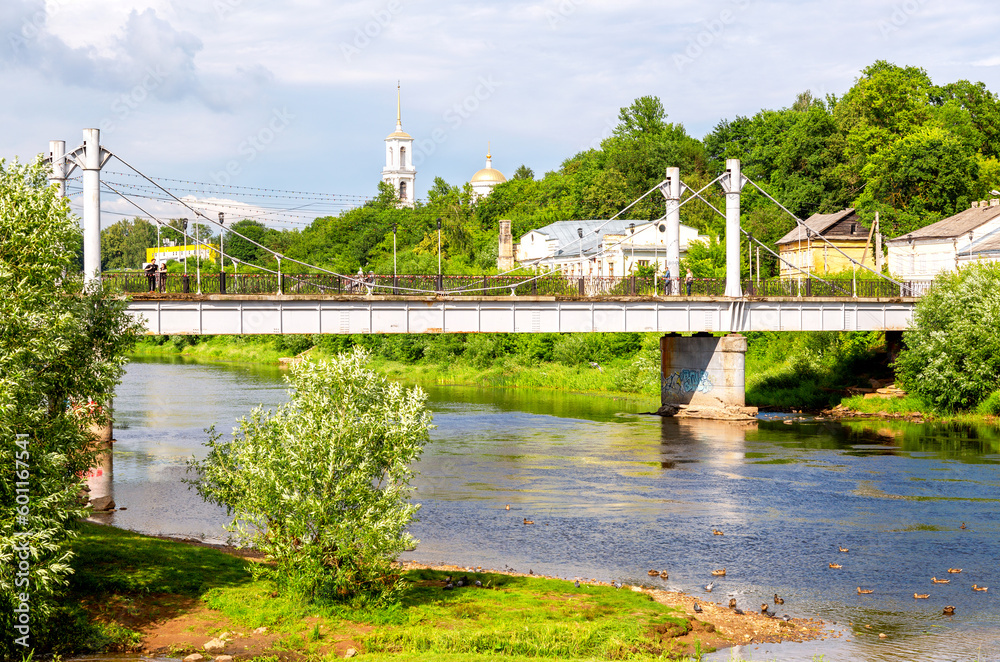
(100, 477)
(703, 376)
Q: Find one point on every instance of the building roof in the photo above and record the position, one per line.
(818, 223)
(489, 174)
(568, 242)
(953, 226)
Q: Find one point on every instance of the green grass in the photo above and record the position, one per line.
(509, 618)
(910, 404)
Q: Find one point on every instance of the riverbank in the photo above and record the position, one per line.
(170, 598)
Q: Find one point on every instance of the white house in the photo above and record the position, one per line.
(973, 234)
(600, 248)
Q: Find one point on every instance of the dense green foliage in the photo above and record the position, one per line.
(61, 348)
(952, 357)
(321, 485)
(895, 143)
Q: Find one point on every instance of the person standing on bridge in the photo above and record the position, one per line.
(666, 280)
(161, 276)
(150, 270)
(688, 280)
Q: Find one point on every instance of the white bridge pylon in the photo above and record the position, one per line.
(90, 157)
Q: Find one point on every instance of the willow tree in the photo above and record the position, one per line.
(322, 485)
(60, 345)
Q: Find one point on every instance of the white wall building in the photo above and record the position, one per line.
(399, 171)
(607, 248)
(946, 245)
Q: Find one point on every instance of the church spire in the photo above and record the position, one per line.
(399, 112)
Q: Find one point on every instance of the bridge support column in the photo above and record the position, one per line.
(703, 376)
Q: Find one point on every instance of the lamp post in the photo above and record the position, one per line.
(631, 243)
(184, 227)
(439, 283)
(222, 241)
(579, 233)
(394, 252)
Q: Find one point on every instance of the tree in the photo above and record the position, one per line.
(321, 486)
(59, 344)
(242, 249)
(952, 355)
(124, 244)
(523, 172)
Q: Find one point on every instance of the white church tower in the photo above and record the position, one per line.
(399, 171)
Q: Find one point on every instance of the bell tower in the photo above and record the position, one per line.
(399, 171)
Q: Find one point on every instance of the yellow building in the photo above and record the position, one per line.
(806, 251)
(206, 251)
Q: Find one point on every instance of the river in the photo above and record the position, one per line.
(613, 493)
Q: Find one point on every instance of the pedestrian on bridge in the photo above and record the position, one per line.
(688, 280)
(666, 280)
(150, 270)
(161, 276)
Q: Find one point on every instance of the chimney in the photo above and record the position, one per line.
(505, 256)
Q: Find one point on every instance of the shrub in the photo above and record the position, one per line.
(952, 355)
(991, 405)
(321, 486)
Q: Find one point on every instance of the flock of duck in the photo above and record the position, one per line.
(766, 611)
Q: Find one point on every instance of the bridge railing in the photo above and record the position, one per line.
(544, 285)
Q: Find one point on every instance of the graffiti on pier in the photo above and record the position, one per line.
(688, 381)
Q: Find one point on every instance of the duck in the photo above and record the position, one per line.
(865, 591)
(528, 521)
(732, 603)
(836, 566)
(977, 587)
(697, 608)
(954, 571)
(843, 549)
(963, 525)
(921, 596)
(948, 611)
(576, 584)
(940, 581)
(777, 600)
(716, 532)
(507, 507)
(653, 573)
(719, 573)
(709, 586)
(664, 574)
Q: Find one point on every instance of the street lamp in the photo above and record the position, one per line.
(439, 249)
(631, 243)
(184, 227)
(222, 240)
(579, 233)
(394, 253)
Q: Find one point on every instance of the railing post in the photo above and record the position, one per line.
(280, 283)
(582, 287)
(395, 284)
(809, 287)
(222, 282)
(187, 284)
(534, 287)
(440, 283)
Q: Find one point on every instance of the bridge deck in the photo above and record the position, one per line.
(212, 314)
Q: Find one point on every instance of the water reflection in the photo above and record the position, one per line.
(614, 493)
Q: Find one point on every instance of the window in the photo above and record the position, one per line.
(402, 157)
(402, 190)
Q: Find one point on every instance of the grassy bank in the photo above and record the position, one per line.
(132, 592)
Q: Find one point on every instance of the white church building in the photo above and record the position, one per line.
(399, 171)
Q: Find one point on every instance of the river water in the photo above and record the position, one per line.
(614, 493)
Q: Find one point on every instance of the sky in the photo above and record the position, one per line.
(298, 95)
